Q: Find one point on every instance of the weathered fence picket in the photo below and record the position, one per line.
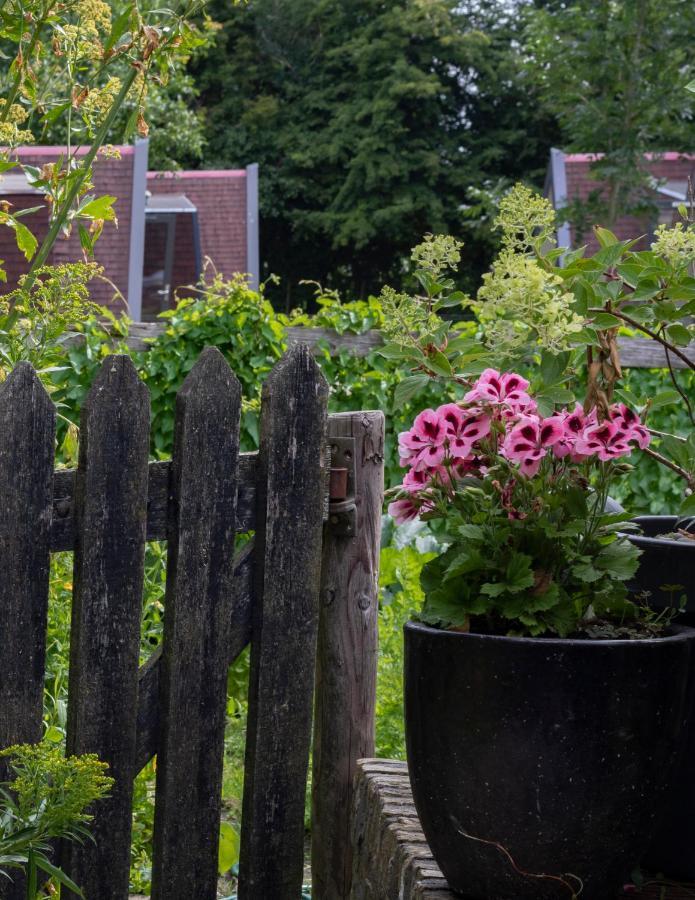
(111, 519)
(216, 604)
(283, 652)
(27, 428)
(197, 632)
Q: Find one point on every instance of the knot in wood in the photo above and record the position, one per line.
(364, 602)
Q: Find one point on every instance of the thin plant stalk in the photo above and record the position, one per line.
(32, 879)
(45, 248)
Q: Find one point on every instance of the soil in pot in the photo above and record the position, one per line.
(532, 757)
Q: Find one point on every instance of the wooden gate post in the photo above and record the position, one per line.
(347, 651)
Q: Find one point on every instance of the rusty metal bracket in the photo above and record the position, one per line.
(342, 516)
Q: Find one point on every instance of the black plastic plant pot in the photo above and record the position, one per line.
(667, 567)
(537, 762)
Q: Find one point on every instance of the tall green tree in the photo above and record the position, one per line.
(614, 72)
(372, 120)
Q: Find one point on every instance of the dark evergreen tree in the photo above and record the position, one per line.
(374, 121)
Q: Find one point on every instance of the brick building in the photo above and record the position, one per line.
(168, 225)
(569, 177)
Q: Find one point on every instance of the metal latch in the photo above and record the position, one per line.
(342, 515)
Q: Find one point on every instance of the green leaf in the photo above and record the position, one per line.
(98, 208)
(86, 240)
(586, 571)
(228, 854)
(408, 388)
(679, 334)
(604, 236)
(57, 873)
(619, 559)
(645, 292)
(603, 321)
(690, 87)
(395, 351)
(678, 450)
(519, 572)
(119, 28)
(32, 173)
(446, 302)
(609, 256)
(462, 564)
(26, 241)
(472, 532)
(553, 367)
(687, 507)
(438, 363)
(665, 398)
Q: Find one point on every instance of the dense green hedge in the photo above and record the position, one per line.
(252, 336)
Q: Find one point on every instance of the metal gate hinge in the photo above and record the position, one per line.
(342, 515)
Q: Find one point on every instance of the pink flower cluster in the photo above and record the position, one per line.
(447, 443)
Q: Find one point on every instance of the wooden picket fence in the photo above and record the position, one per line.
(307, 579)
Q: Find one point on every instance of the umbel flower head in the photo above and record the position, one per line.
(498, 424)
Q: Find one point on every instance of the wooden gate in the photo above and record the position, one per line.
(216, 603)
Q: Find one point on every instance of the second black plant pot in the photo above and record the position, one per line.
(532, 757)
(666, 567)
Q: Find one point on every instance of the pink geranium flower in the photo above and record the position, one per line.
(605, 439)
(628, 421)
(528, 441)
(423, 445)
(463, 427)
(507, 390)
(403, 510)
(573, 425)
(417, 479)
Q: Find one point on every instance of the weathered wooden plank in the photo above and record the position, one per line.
(347, 654)
(197, 632)
(158, 502)
(288, 543)
(644, 353)
(148, 690)
(110, 515)
(635, 352)
(141, 333)
(27, 429)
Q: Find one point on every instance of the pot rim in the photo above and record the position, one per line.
(643, 540)
(679, 633)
